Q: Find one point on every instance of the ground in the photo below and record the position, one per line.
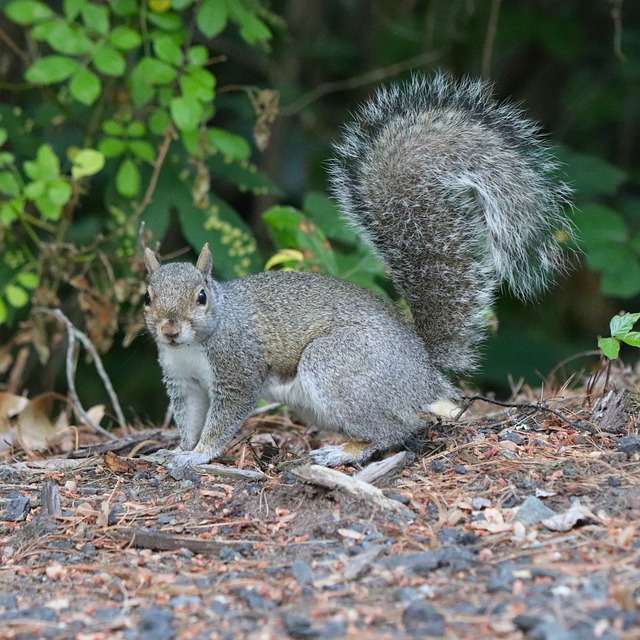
(514, 522)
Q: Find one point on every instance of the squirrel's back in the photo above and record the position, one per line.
(457, 193)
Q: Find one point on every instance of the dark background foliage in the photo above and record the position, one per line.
(574, 66)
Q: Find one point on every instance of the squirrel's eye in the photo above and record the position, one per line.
(146, 298)
(202, 297)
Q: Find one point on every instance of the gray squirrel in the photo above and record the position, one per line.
(457, 193)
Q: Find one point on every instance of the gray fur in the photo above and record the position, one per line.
(455, 192)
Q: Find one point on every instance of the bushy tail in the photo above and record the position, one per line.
(457, 193)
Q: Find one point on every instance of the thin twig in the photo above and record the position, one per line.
(581, 426)
(366, 78)
(74, 334)
(616, 15)
(169, 136)
(492, 30)
(13, 46)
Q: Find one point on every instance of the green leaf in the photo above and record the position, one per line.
(87, 162)
(113, 128)
(324, 212)
(6, 158)
(3, 312)
(8, 184)
(159, 121)
(168, 21)
(252, 29)
(212, 17)
(135, 129)
(85, 87)
(27, 11)
(125, 7)
(47, 207)
(72, 8)
(229, 144)
(632, 338)
(621, 325)
(112, 147)
(63, 38)
(610, 347)
(35, 189)
(16, 296)
(128, 179)
(51, 69)
(186, 113)
(156, 71)
(622, 280)
(59, 192)
(143, 150)
(166, 49)
(96, 17)
(124, 38)
(590, 176)
(198, 55)
(28, 279)
(45, 166)
(3, 136)
(198, 83)
(11, 211)
(598, 224)
(109, 61)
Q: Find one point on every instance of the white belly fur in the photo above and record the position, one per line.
(188, 364)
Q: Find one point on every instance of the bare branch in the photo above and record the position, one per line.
(74, 334)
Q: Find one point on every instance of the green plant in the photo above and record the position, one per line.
(621, 331)
(124, 92)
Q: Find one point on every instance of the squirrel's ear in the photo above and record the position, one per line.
(151, 261)
(205, 261)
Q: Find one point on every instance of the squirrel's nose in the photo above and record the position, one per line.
(170, 329)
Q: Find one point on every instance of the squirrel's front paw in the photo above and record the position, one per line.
(182, 459)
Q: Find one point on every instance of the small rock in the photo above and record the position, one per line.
(457, 536)
(478, 504)
(299, 626)
(302, 572)
(114, 515)
(532, 511)
(614, 481)
(153, 623)
(255, 601)
(184, 600)
(512, 436)
(421, 619)
(18, 508)
(439, 466)
(460, 468)
(629, 444)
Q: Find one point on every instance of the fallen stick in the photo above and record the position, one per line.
(159, 541)
(332, 479)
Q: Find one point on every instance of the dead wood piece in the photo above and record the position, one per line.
(51, 464)
(166, 542)
(377, 470)
(50, 500)
(231, 472)
(332, 479)
(168, 437)
(610, 412)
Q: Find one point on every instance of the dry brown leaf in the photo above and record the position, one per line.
(124, 465)
(36, 426)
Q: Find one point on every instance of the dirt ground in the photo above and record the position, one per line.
(511, 523)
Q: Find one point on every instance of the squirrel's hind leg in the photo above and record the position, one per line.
(351, 452)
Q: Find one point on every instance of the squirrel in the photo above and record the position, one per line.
(457, 193)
